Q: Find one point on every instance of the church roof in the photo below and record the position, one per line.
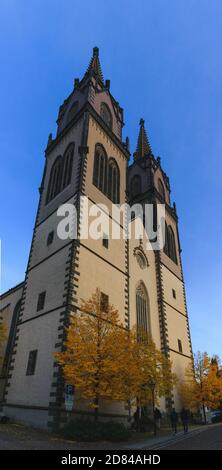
(143, 146)
(94, 67)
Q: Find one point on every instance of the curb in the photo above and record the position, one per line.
(170, 439)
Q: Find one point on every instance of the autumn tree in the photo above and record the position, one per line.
(214, 384)
(96, 349)
(104, 360)
(202, 386)
(155, 372)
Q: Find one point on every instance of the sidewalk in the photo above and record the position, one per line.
(159, 442)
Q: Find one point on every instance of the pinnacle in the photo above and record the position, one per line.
(143, 146)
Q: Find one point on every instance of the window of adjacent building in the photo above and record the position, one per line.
(104, 302)
(41, 301)
(50, 238)
(105, 240)
(174, 293)
(180, 346)
(31, 362)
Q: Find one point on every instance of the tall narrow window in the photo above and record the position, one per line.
(161, 189)
(180, 348)
(41, 301)
(174, 293)
(67, 166)
(11, 337)
(54, 186)
(172, 245)
(166, 245)
(104, 302)
(142, 312)
(50, 238)
(106, 115)
(113, 181)
(31, 362)
(100, 169)
(105, 240)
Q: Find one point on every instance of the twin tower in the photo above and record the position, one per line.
(87, 157)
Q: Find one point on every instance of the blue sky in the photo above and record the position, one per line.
(164, 60)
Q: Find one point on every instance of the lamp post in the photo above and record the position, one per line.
(152, 386)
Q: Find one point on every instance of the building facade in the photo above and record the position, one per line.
(88, 158)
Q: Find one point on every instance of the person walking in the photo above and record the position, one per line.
(174, 420)
(185, 419)
(157, 417)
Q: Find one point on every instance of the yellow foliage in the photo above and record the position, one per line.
(103, 359)
(202, 385)
(155, 373)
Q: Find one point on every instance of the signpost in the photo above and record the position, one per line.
(69, 397)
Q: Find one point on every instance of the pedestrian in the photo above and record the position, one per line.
(185, 419)
(174, 420)
(136, 420)
(157, 417)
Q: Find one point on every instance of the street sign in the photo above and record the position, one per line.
(69, 397)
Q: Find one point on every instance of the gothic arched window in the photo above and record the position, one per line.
(142, 313)
(172, 245)
(161, 188)
(106, 115)
(113, 181)
(54, 186)
(136, 185)
(100, 169)
(67, 166)
(166, 247)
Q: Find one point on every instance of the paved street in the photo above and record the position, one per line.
(202, 439)
(15, 436)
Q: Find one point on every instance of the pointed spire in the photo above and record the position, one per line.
(143, 145)
(94, 67)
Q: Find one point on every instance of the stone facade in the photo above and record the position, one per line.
(64, 271)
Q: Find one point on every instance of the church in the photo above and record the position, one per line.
(88, 157)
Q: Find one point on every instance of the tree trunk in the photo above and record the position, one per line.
(96, 411)
(204, 413)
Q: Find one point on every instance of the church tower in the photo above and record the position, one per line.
(87, 157)
(162, 274)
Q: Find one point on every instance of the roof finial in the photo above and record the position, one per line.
(143, 146)
(94, 67)
(95, 52)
